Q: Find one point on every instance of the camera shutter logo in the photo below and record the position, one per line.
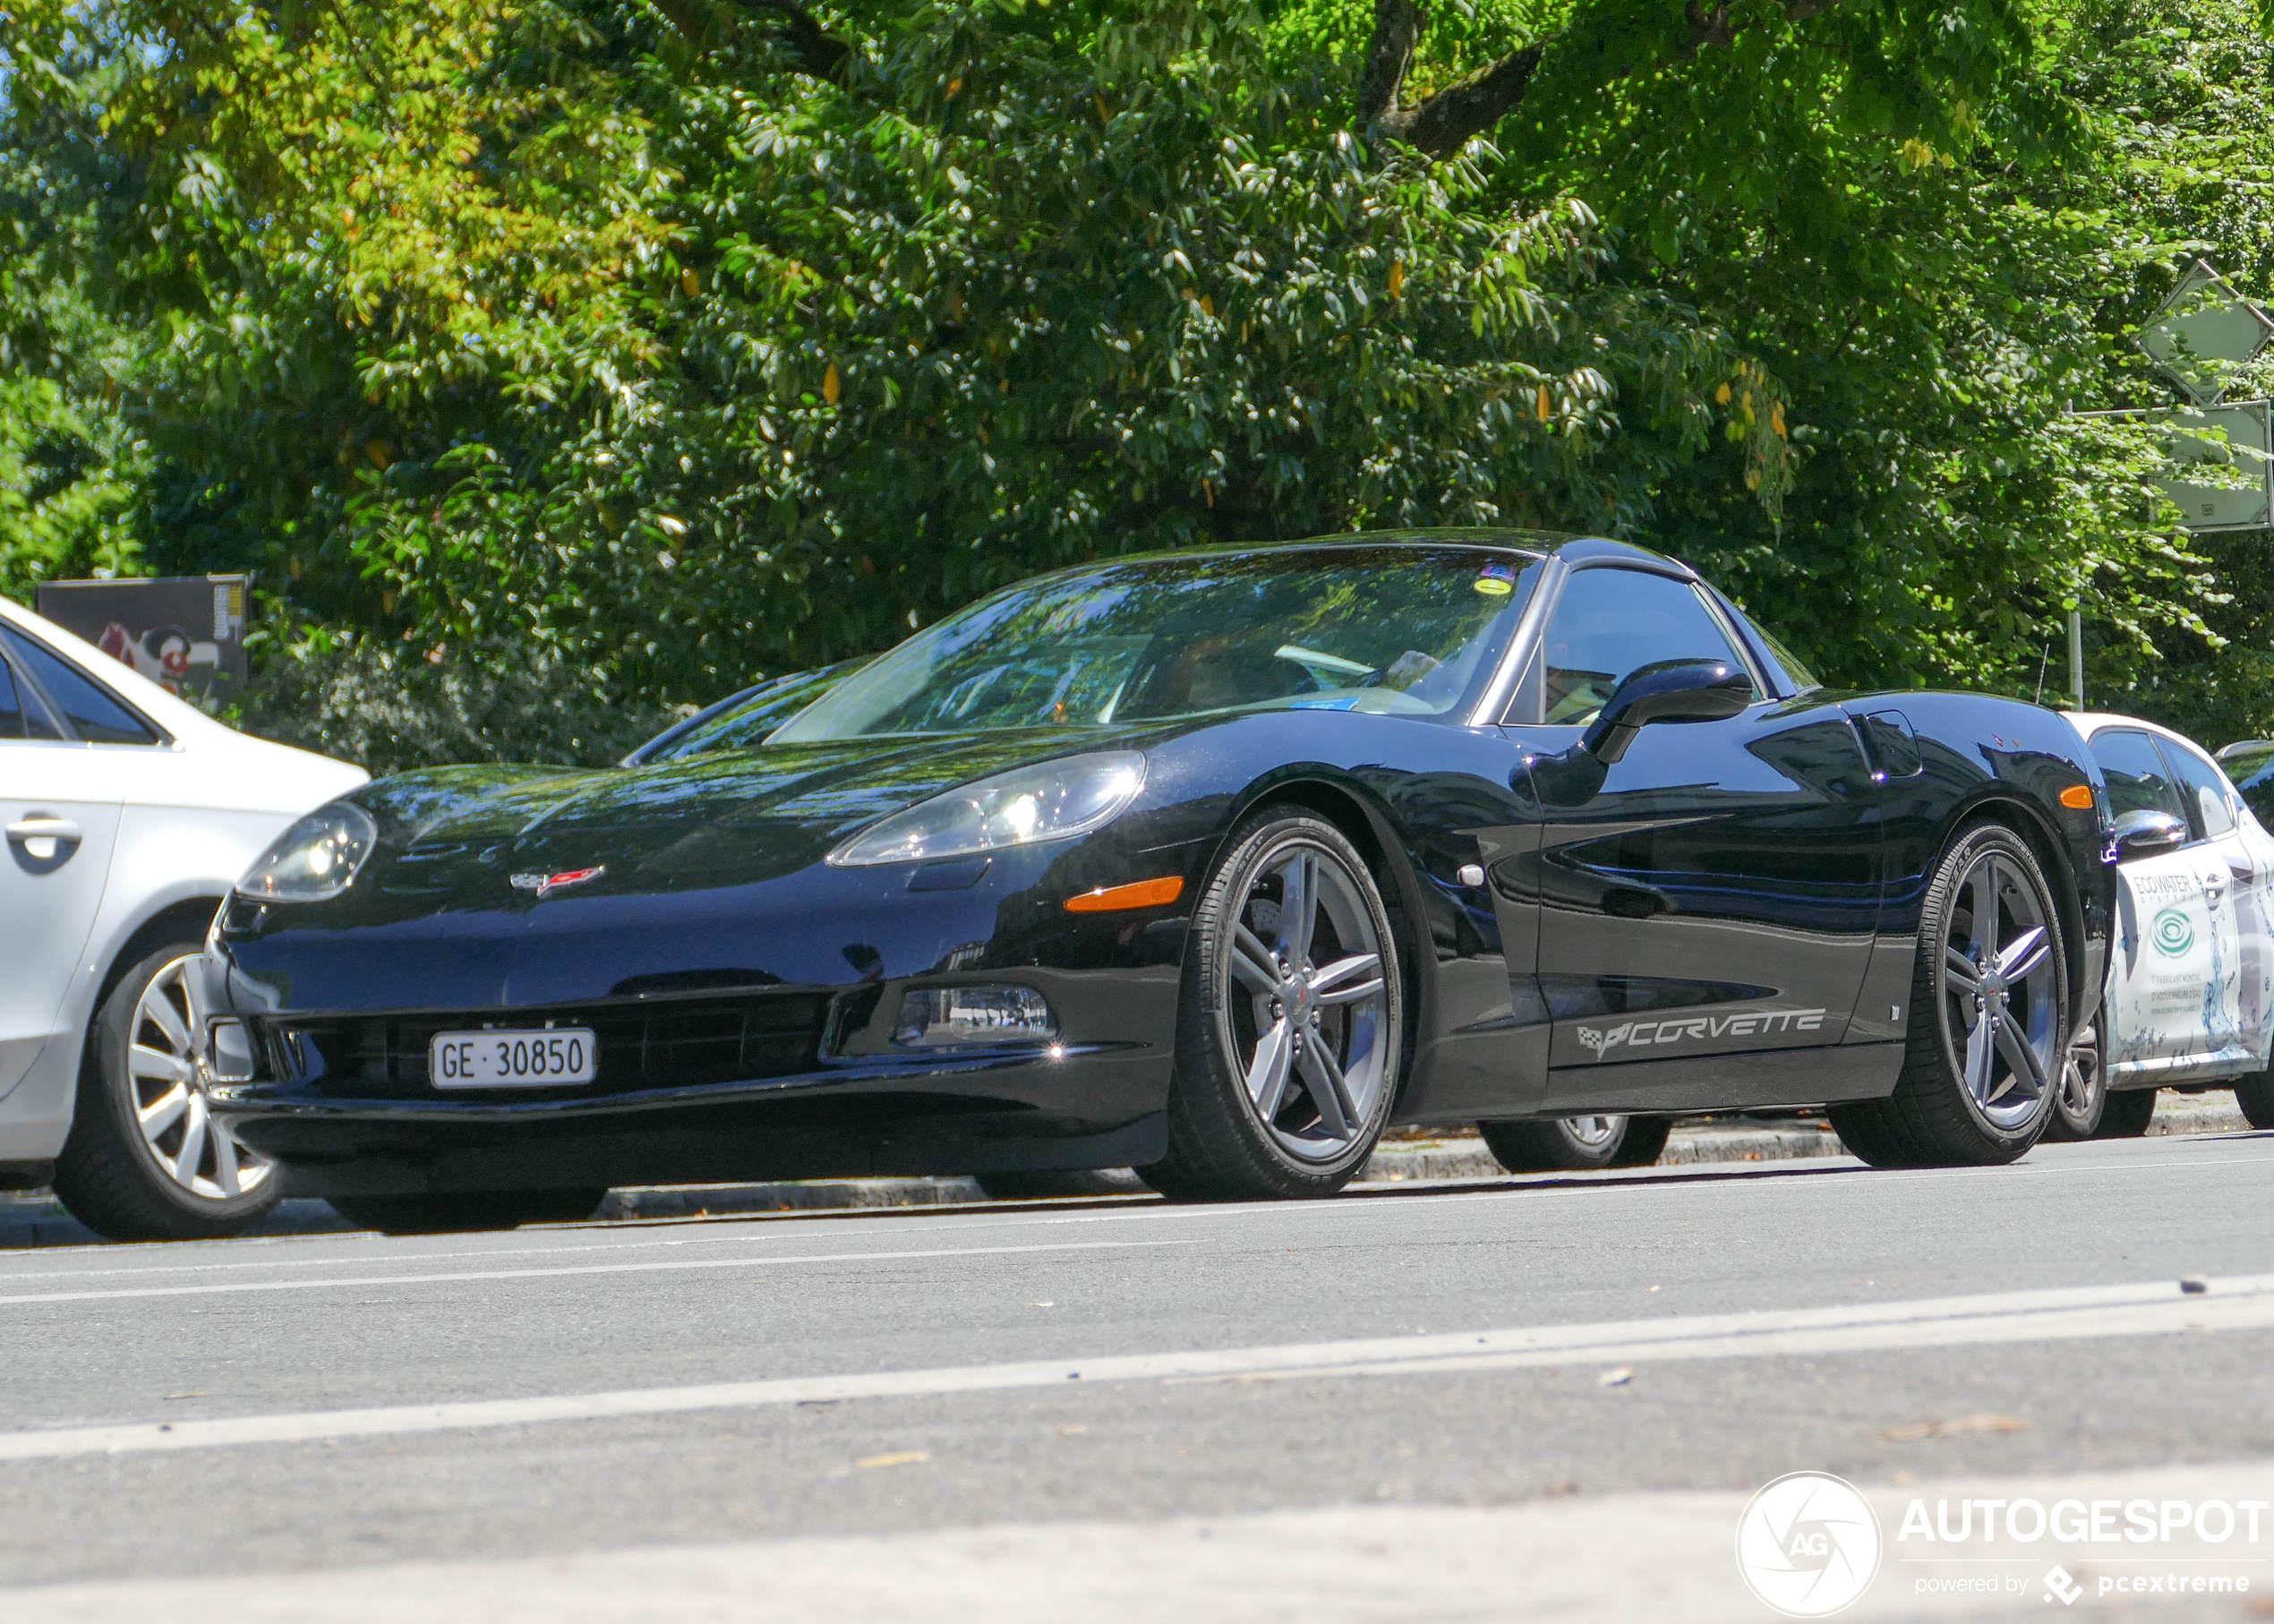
(1809, 1544)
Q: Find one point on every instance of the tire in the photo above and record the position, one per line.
(468, 1210)
(1989, 1005)
(146, 1159)
(2255, 1098)
(2129, 1111)
(1290, 1021)
(1577, 1144)
(2083, 1095)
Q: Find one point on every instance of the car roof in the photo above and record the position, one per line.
(1573, 549)
(2089, 722)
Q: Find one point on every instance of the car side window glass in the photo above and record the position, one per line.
(2138, 779)
(22, 715)
(94, 715)
(1609, 623)
(2206, 789)
(11, 708)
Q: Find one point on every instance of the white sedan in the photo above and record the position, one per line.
(2190, 996)
(128, 814)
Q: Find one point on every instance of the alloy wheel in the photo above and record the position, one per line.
(2080, 1073)
(1999, 996)
(1306, 1010)
(171, 1076)
(1592, 1132)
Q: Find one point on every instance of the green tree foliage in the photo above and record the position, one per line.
(563, 360)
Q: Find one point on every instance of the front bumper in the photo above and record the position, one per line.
(773, 1084)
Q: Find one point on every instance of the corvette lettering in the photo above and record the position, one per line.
(1651, 1034)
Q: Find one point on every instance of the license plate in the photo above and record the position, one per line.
(553, 1059)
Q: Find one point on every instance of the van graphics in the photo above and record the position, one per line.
(1689, 1029)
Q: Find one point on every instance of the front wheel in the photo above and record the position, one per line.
(1290, 1022)
(1577, 1144)
(147, 1159)
(1989, 1006)
(2127, 1115)
(466, 1209)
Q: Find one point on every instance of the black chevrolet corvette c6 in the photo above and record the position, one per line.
(1215, 864)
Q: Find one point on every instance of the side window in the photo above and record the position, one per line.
(93, 713)
(1609, 624)
(2138, 779)
(2206, 791)
(22, 715)
(11, 708)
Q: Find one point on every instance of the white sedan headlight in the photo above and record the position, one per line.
(1051, 801)
(315, 858)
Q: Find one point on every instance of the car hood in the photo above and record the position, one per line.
(732, 819)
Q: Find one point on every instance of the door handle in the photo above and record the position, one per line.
(45, 828)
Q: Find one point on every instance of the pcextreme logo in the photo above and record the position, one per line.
(1684, 1029)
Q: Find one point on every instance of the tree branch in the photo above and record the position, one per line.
(1398, 25)
(1445, 122)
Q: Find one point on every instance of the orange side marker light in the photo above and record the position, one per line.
(1143, 894)
(2078, 796)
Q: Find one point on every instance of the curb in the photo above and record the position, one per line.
(37, 1219)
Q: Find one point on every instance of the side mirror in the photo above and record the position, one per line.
(2144, 834)
(1672, 690)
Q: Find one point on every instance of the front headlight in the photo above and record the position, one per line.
(315, 858)
(1053, 800)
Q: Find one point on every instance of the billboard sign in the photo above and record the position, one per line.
(185, 633)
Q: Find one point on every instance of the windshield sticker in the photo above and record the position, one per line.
(1496, 581)
(1322, 704)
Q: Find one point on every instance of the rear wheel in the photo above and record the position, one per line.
(466, 1209)
(1289, 1022)
(2083, 1095)
(147, 1159)
(1988, 1014)
(2127, 1113)
(1575, 1143)
(2255, 1096)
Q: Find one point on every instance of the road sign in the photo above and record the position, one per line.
(2237, 437)
(2247, 453)
(2205, 330)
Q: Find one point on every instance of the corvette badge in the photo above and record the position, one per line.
(545, 884)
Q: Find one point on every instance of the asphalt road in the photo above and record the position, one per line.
(1528, 1397)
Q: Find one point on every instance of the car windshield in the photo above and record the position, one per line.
(744, 721)
(1404, 630)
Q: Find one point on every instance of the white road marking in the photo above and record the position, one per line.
(2151, 1309)
(644, 1266)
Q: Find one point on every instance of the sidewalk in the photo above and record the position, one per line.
(38, 1219)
